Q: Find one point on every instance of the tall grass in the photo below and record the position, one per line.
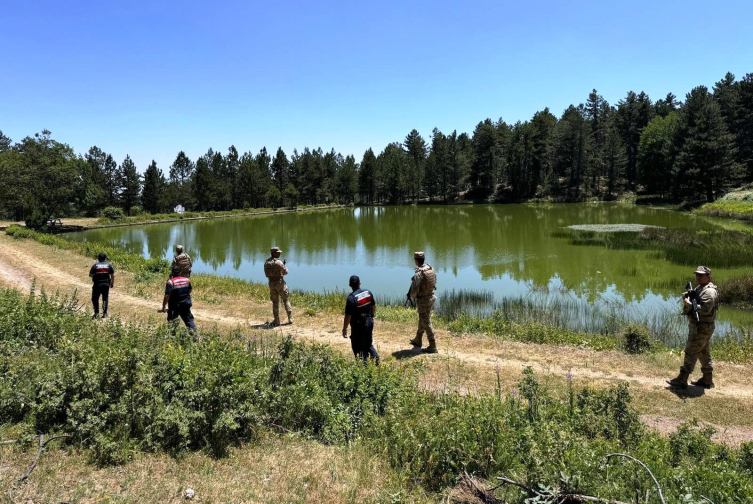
(729, 208)
(689, 247)
(147, 217)
(118, 389)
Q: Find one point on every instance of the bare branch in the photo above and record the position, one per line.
(658, 486)
(42, 444)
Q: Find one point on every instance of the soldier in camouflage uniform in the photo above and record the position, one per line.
(422, 288)
(275, 270)
(182, 262)
(699, 333)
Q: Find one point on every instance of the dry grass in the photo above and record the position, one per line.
(279, 469)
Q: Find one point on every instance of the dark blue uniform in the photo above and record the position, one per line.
(179, 289)
(101, 272)
(359, 306)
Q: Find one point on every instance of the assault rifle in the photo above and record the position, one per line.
(409, 301)
(692, 296)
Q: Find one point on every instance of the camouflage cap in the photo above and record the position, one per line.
(418, 255)
(275, 249)
(703, 270)
(179, 247)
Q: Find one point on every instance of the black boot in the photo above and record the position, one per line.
(680, 382)
(707, 381)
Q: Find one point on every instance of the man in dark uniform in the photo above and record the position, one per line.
(103, 279)
(177, 301)
(359, 314)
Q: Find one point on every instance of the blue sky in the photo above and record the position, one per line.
(150, 78)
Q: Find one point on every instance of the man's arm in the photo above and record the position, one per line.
(346, 322)
(112, 280)
(164, 302)
(706, 302)
(283, 268)
(415, 284)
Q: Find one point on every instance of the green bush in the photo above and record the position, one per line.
(118, 389)
(112, 214)
(37, 220)
(636, 339)
(136, 211)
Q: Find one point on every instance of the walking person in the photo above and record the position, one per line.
(103, 279)
(275, 271)
(177, 301)
(182, 262)
(422, 287)
(360, 309)
(700, 330)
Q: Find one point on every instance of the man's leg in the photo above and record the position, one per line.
(274, 296)
(704, 355)
(105, 289)
(288, 309)
(187, 316)
(694, 345)
(95, 300)
(425, 307)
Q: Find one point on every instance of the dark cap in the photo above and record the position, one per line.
(354, 280)
(101, 256)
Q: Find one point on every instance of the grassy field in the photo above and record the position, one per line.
(121, 391)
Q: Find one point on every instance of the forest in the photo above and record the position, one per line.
(693, 150)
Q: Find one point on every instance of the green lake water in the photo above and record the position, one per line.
(509, 252)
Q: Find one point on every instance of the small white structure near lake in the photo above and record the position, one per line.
(179, 209)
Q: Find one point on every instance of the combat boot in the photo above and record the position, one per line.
(681, 381)
(290, 317)
(432, 348)
(417, 341)
(275, 323)
(707, 381)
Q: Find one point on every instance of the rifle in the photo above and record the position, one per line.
(409, 301)
(692, 295)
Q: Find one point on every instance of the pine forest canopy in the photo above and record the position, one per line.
(692, 150)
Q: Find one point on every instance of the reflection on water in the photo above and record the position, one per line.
(505, 249)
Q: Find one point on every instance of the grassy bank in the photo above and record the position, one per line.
(145, 218)
(568, 322)
(735, 205)
(119, 390)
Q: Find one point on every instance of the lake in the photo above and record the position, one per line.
(508, 252)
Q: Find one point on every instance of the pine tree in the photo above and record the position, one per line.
(179, 190)
(231, 170)
(203, 182)
(367, 178)
(543, 125)
(744, 119)
(705, 155)
(5, 142)
(415, 148)
(656, 154)
(487, 158)
(111, 181)
(153, 195)
(280, 168)
(129, 184)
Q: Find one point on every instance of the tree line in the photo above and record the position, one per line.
(692, 150)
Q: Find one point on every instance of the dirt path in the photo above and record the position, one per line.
(469, 362)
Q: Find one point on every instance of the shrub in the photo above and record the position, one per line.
(37, 220)
(637, 339)
(112, 213)
(136, 211)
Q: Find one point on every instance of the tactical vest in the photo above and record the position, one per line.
(364, 301)
(181, 292)
(183, 262)
(272, 270)
(101, 273)
(429, 281)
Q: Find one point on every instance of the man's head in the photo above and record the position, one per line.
(175, 272)
(703, 275)
(276, 252)
(101, 257)
(354, 282)
(419, 257)
(179, 249)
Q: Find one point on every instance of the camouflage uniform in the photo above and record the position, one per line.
(699, 333)
(275, 270)
(184, 263)
(422, 288)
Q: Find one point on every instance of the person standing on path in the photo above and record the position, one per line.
(177, 301)
(360, 309)
(275, 271)
(422, 289)
(103, 279)
(182, 262)
(699, 332)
